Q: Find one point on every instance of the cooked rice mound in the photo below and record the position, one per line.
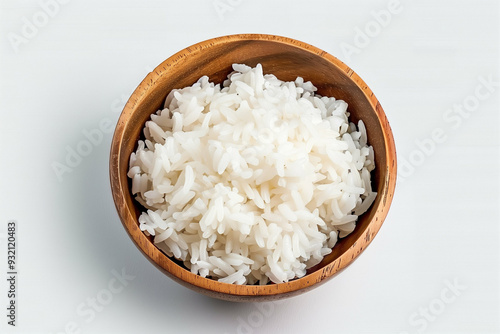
(253, 180)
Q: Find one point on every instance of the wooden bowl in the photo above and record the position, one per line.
(286, 58)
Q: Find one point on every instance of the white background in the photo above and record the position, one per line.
(72, 73)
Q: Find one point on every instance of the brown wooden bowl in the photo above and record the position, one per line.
(286, 58)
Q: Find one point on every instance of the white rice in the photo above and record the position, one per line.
(253, 180)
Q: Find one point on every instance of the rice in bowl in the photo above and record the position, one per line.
(253, 180)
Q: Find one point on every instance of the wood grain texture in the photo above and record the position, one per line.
(286, 58)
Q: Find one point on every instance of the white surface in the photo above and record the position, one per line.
(442, 226)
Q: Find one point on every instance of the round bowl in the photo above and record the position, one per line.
(286, 58)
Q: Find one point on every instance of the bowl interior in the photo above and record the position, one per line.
(286, 59)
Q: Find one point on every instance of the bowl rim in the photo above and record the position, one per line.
(232, 291)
